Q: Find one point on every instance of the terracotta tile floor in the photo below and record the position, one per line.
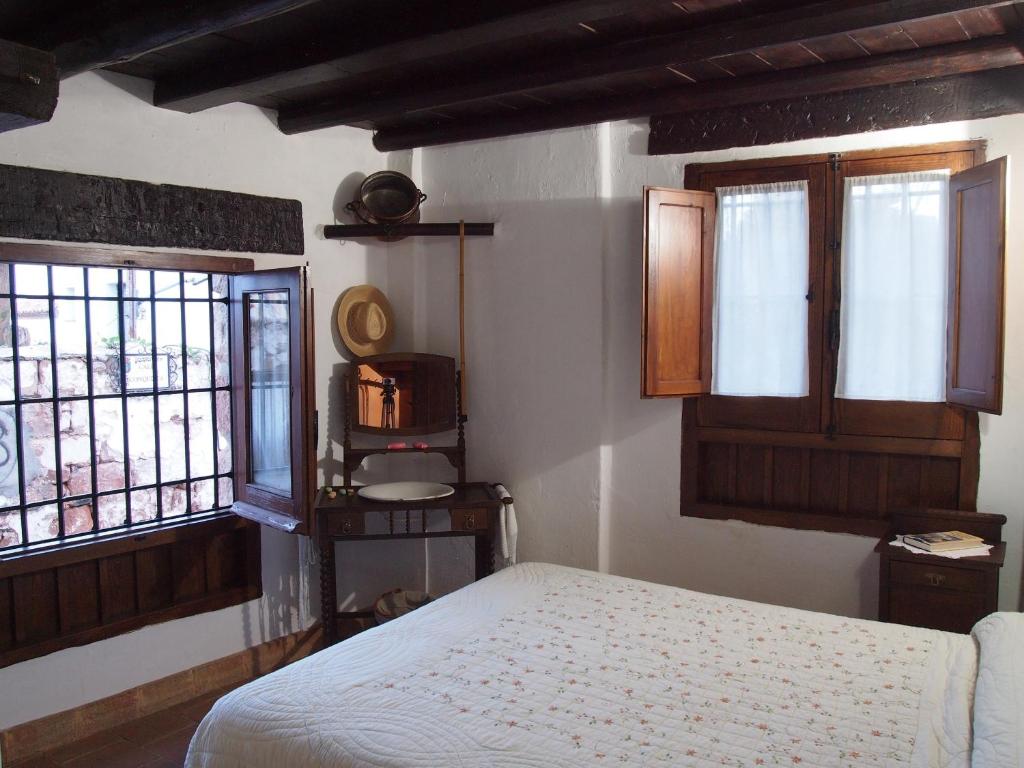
(158, 741)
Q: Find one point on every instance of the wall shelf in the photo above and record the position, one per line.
(445, 229)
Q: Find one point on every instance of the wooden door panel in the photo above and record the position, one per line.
(679, 231)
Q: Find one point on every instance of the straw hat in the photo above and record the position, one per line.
(365, 320)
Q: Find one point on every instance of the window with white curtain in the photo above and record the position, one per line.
(760, 306)
(894, 273)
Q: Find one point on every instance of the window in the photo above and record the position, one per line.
(856, 323)
(759, 334)
(893, 309)
(115, 399)
(144, 398)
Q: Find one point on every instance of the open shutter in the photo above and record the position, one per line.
(273, 397)
(977, 242)
(679, 232)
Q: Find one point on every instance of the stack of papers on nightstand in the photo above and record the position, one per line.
(979, 551)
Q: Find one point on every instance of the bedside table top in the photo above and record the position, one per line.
(994, 559)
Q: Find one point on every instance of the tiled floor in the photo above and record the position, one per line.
(157, 741)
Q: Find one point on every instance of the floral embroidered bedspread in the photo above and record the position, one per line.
(541, 665)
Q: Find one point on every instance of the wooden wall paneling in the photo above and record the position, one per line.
(117, 587)
(6, 615)
(78, 594)
(188, 569)
(154, 578)
(787, 485)
(825, 481)
(55, 205)
(943, 486)
(35, 606)
(750, 474)
(862, 495)
(768, 476)
(903, 484)
(690, 459)
(715, 481)
(970, 464)
(225, 557)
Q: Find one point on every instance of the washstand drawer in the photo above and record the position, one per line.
(469, 519)
(926, 575)
(346, 524)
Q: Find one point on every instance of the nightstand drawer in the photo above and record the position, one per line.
(469, 519)
(937, 576)
(346, 524)
(944, 609)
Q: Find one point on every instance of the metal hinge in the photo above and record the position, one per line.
(316, 429)
(833, 160)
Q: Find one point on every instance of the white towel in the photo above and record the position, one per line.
(509, 529)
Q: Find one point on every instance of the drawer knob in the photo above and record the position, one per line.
(469, 521)
(346, 527)
(935, 579)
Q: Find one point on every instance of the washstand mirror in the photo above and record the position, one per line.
(403, 394)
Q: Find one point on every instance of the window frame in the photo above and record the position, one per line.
(85, 563)
(843, 431)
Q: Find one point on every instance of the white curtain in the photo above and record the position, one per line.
(893, 305)
(760, 310)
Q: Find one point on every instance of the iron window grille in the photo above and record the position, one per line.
(98, 363)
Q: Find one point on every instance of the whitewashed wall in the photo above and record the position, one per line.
(105, 125)
(555, 368)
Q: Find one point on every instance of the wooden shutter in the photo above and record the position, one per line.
(273, 398)
(679, 231)
(977, 242)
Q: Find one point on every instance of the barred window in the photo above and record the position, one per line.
(115, 400)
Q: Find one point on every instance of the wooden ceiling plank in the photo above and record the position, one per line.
(807, 23)
(905, 66)
(280, 69)
(158, 26)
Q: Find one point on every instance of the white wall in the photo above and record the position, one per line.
(554, 363)
(105, 125)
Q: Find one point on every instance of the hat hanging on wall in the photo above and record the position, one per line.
(366, 321)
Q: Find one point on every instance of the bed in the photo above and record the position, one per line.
(541, 665)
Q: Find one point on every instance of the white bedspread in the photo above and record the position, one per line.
(542, 666)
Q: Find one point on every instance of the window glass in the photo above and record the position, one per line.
(95, 432)
(761, 273)
(270, 390)
(894, 267)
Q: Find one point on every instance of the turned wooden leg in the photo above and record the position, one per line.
(328, 590)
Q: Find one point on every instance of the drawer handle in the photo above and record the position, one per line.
(935, 579)
(346, 527)
(469, 521)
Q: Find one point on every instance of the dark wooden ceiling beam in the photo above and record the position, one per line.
(809, 22)
(28, 86)
(155, 26)
(906, 66)
(971, 96)
(296, 64)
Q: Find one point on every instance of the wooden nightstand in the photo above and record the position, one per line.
(937, 592)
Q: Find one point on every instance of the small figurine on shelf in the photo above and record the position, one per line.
(387, 414)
